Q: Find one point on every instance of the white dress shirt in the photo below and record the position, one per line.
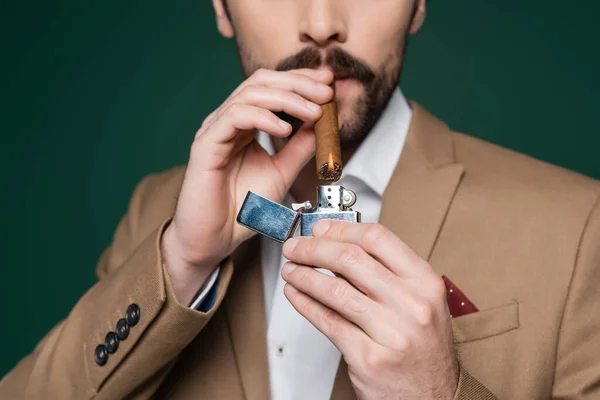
(302, 361)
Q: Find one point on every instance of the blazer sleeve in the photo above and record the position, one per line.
(577, 373)
(63, 365)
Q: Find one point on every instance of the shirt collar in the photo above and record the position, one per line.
(375, 159)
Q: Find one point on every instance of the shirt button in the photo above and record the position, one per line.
(280, 350)
(132, 315)
(101, 355)
(122, 329)
(111, 342)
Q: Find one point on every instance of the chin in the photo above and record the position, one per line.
(348, 95)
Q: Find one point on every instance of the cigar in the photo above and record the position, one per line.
(329, 152)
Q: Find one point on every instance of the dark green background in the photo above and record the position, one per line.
(97, 94)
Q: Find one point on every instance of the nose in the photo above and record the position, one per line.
(322, 22)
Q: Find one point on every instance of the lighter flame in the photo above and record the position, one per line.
(331, 169)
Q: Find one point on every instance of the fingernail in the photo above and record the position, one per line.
(321, 227)
(290, 245)
(323, 88)
(312, 106)
(288, 267)
(284, 125)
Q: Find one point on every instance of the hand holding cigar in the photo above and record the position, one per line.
(327, 135)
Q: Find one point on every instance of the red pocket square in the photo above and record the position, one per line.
(458, 303)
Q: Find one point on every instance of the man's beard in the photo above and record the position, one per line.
(378, 85)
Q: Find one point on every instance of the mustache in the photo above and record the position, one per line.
(342, 63)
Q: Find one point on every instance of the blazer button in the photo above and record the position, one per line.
(122, 329)
(111, 342)
(101, 355)
(132, 315)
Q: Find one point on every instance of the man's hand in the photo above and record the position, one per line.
(226, 161)
(388, 317)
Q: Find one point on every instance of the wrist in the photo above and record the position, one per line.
(454, 378)
(186, 278)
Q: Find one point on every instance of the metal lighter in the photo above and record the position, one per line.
(279, 223)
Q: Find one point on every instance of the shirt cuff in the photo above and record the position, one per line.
(205, 291)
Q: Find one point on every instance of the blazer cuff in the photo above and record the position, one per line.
(164, 328)
(470, 388)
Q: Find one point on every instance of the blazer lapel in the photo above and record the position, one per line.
(245, 311)
(422, 187)
(417, 198)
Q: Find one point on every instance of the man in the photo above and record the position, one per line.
(516, 241)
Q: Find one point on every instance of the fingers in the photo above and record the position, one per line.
(262, 103)
(349, 260)
(379, 242)
(311, 85)
(216, 147)
(388, 322)
(275, 99)
(346, 336)
(251, 107)
(335, 293)
(248, 117)
(391, 252)
(295, 92)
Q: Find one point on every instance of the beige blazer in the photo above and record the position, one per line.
(519, 237)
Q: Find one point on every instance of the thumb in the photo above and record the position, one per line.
(294, 156)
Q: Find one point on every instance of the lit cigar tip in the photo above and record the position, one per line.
(330, 171)
(330, 163)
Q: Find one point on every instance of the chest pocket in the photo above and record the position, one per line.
(486, 323)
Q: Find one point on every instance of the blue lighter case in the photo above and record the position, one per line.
(279, 223)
